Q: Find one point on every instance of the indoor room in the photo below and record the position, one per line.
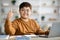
(46, 14)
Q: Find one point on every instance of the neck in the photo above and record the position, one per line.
(24, 19)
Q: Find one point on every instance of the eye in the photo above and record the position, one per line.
(22, 9)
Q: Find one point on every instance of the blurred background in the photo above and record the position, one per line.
(45, 12)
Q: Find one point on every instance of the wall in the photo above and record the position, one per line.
(39, 8)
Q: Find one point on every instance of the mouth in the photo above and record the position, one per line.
(25, 14)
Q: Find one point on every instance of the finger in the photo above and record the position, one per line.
(11, 10)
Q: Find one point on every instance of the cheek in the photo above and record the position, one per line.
(29, 13)
(21, 12)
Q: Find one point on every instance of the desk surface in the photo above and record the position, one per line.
(37, 38)
(32, 38)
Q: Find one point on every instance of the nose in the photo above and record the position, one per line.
(26, 11)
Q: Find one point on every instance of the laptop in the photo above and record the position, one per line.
(55, 30)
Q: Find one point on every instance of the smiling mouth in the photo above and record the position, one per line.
(25, 14)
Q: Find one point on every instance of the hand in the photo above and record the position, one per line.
(47, 32)
(10, 14)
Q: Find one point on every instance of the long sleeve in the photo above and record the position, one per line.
(10, 27)
(39, 31)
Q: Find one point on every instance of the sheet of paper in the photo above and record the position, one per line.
(22, 38)
(4, 36)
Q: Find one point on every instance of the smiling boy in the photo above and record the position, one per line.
(23, 25)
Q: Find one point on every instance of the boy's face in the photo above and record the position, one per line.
(25, 12)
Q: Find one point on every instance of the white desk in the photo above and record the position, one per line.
(40, 38)
(31, 38)
(37, 38)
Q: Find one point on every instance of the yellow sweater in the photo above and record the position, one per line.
(20, 27)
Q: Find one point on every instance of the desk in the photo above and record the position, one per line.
(37, 38)
(40, 38)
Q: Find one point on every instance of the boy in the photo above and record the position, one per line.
(23, 25)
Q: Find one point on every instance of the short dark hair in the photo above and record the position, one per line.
(25, 4)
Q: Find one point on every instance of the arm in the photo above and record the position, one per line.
(10, 27)
(39, 31)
